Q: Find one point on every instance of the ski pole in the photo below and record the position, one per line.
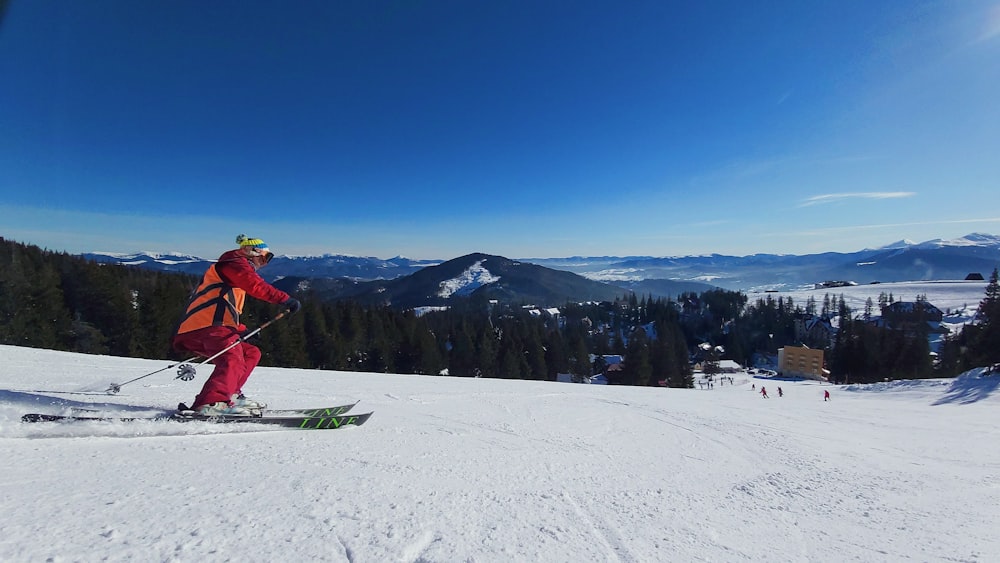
(185, 371)
(116, 387)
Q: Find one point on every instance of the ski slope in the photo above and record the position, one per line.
(452, 469)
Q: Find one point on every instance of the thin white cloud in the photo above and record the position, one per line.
(991, 25)
(832, 198)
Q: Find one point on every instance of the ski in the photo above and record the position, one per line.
(321, 411)
(316, 421)
(38, 417)
(314, 412)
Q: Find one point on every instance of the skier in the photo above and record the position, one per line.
(763, 391)
(780, 394)
(826, 395)
(211, 322)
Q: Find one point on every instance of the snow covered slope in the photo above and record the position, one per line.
(483, 470)
(468, 281)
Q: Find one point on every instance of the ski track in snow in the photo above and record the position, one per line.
(452, 469)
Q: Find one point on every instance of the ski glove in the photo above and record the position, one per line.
(293, 305)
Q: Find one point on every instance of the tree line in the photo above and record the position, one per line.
(58, 301)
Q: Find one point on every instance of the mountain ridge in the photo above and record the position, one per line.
(476, 275)
(934, 259)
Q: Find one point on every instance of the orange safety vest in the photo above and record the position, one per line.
(213, 303)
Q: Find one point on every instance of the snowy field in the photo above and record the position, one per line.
(958, 300)
(949, 296)
(455, 469)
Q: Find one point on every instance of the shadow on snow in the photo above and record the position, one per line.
(37, 398)
(970, 388)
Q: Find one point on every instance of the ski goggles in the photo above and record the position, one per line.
(262, 255)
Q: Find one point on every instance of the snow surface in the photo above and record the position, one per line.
(474, 277)
(452, 469)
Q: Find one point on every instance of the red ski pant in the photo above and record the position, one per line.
(232, 367)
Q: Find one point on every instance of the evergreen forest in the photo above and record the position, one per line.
(62, 302)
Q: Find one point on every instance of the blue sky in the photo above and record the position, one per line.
(432, 129)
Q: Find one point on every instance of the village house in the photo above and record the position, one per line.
(802, 361)
(815, 331)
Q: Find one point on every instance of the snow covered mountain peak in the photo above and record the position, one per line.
(976, 239)
(904, 243)
(973, 239)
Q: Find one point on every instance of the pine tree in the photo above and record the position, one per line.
(555, 354)
(985, 348)
(486, 351)
(462, 357)
(430, 360)
(512, 362)
(638, 368)
(32, 307)
(579, 356)
(534, 351)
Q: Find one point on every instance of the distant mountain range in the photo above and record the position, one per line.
(551, 281)
(492, 277)
(899, 261)
(325, 266)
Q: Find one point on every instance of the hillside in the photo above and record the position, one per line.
(452, 469)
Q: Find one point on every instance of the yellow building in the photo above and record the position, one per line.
(800, 361)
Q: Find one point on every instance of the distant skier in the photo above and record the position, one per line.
(826, 395)
(763, 391)
(780, 393)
